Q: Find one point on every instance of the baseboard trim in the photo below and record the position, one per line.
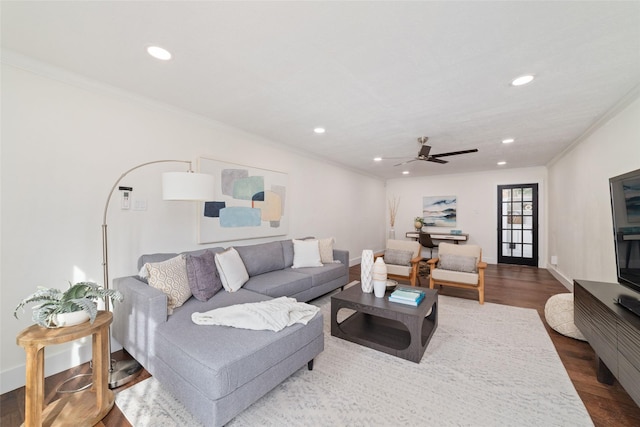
(566, 282)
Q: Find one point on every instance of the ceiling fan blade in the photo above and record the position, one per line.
(404, 163)
(424, 151)
(454, 153)
(434, 160)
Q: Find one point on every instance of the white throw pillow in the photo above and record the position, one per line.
(171, 278)
(233, 273)
(326, 250)
(306, 253)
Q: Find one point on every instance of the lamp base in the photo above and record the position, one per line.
(122, 372)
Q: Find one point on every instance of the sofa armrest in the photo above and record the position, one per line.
(342, 256)
(136, 317)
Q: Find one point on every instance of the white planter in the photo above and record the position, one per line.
(70, 319)
(366, 271)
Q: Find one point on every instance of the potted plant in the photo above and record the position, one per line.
(71, 307)
(418, 223)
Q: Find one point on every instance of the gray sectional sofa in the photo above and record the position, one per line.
(218, 371)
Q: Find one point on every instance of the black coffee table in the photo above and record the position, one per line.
(397, 329)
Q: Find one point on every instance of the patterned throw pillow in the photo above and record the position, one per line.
(397, 257)
(466, 264)
(326, 250)
(202, 273)
(171, 278)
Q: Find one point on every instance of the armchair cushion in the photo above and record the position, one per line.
(466, 264)
(398, 257)
(440, 274)
(398, 270)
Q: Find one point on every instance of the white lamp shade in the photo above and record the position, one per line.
(187, 186)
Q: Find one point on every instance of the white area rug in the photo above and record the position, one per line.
(490, 365)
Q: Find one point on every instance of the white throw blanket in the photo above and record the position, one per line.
(273, 315)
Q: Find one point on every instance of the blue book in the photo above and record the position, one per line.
(407, 302)
(408, 294)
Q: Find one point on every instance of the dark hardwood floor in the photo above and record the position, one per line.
(527, 287)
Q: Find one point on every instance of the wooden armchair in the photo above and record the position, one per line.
(460, 266)
(402, 258)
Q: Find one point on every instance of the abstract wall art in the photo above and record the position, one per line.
(249, 203)
(439, 211)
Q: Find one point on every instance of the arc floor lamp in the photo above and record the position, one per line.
(186, 186)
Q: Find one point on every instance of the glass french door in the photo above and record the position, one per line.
(518, 224)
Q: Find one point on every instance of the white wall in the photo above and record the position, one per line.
(65, 141)
(580, 225)
(477, 199)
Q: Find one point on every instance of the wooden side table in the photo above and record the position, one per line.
(86, 407)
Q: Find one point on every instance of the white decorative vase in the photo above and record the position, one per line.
(392, 233)
(379, 277)
(379, 288)
(366, 271)
(70, 319)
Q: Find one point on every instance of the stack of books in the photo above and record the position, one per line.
(407, 296)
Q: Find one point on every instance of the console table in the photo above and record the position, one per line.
(612, 331)
(455, 238)
(82, 408)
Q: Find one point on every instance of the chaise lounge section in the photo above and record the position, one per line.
(218, 371)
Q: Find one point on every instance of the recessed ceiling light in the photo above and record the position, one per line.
(319, 130)
(377, 159)
(502, 163)
(405, 172)
(522, 80)
(159, 53)
(508, 140)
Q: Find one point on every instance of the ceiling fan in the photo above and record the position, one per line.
(423, 154)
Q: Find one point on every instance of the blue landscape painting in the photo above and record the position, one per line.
(439, 211)
(631, 190)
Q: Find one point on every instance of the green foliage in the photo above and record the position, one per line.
(51, 301)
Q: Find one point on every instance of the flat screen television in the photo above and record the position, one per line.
(625, 209)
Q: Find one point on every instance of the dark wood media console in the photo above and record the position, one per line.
(612, 331)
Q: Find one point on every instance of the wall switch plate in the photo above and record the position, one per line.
(554, 260)
(139, 205)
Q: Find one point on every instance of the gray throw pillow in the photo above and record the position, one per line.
(202, 273)
(397, 257)
(465, 264)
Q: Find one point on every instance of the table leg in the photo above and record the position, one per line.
(101, 366)
(34, 387)
(334, 318)
(414, 325)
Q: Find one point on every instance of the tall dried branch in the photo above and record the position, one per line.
(394, 203)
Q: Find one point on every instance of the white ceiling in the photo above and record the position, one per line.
(376, 75)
